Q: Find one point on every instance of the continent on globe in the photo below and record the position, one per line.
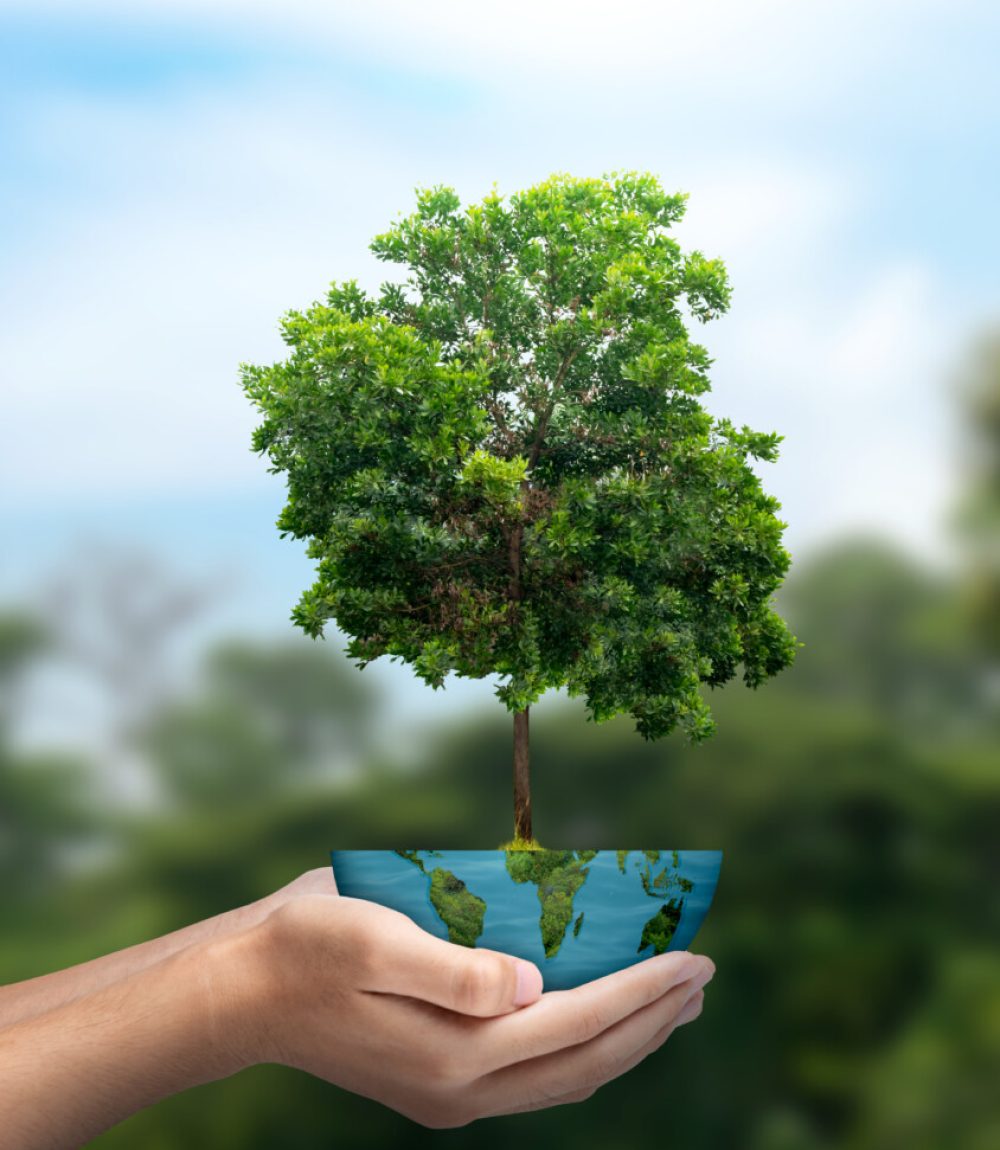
(659, 930)
(459, 909)
(557, 876)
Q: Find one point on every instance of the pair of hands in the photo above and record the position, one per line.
(359, 995)
(349, 991)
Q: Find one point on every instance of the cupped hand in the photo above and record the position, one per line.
(359, 995)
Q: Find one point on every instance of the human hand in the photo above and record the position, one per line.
(345, 989)
(359, 995)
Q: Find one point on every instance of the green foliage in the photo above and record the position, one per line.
(44, 807)
(936, 1084)
(259, 713)
(44, 800)
(22, 638)
(915, 641)
(978, 516)
(520, 844)
(502, 466)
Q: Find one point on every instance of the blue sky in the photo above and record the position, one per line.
(175, 176)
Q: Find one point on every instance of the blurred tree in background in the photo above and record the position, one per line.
(857, 1000)
(263, 718)
(979, 512)
(43, 797)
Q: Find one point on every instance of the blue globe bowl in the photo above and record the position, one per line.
(577, 915)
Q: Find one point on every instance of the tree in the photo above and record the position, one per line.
(259, 709)
(883, 632)
(978, 518)
(43, 794)
(502, 465)
(116, 610)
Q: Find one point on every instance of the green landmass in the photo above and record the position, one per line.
(659, 930)
(557, 875)
(652, 857)
(459, 909)
(658, 885)
(413, 857)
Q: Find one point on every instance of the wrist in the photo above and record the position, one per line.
(243, 997)
(252, 914)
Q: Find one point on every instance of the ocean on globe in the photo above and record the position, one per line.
(578, 915)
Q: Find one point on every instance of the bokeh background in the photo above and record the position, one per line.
(173, 177)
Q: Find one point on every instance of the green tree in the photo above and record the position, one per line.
(502, 465)
(263, 716)
(882, 631)
(43, 801)
(979, 511)
(22, 638)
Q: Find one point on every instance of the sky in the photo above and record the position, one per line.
(175, 176)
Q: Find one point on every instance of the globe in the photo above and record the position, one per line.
(577, 915)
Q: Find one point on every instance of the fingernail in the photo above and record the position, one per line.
(529, 983)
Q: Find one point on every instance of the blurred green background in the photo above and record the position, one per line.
(857, 798)
(176, 174)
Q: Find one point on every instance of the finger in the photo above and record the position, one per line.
(563, 1018)
(320, 880)
(689, 1013)
(546, 1103)
(591, 1063)
(467, 980)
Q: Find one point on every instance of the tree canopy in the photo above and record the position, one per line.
(502, 464)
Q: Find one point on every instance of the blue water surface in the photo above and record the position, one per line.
(614, 905)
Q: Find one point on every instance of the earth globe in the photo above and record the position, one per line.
(578, 915)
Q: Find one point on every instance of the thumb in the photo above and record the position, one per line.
(468, 980)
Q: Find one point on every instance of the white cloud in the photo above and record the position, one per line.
(720, 44)
(856, 382)
(201, 218)
(889, 340)
(125, 322)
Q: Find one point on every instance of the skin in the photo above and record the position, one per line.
(346, 990)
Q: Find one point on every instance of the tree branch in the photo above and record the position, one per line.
(536, 445)
(501, 422)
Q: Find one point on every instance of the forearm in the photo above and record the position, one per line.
(34, 996)
(77, 1069)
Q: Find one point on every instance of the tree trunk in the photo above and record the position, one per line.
(522, 782)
